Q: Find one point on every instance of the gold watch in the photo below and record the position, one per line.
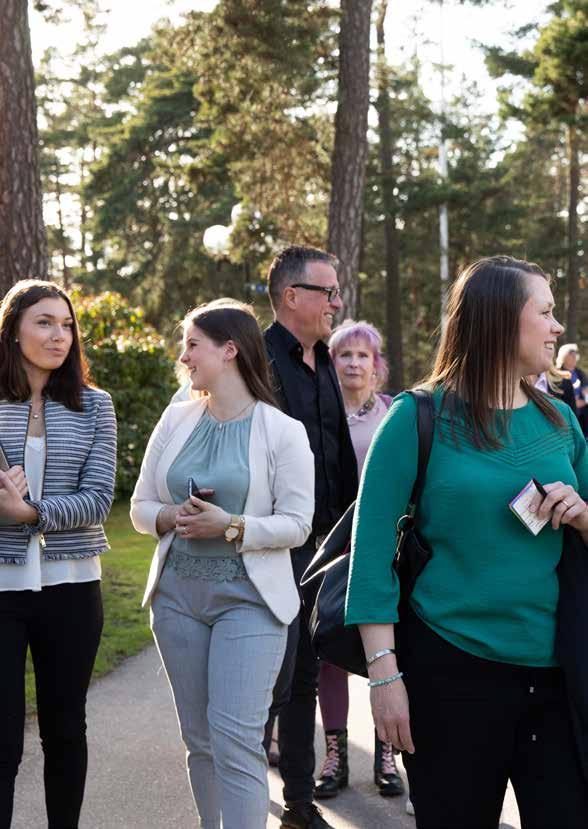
(234, 532)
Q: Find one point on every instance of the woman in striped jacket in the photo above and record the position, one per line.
(58, 459)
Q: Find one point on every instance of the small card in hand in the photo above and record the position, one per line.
(520, 506)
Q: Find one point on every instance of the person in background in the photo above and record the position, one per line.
(356, 351)
(304, 294)
(51, 537)
(557, 382)
(221, 587)
(469, 679)
(567, 360)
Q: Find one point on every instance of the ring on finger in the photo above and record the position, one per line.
(567, 506)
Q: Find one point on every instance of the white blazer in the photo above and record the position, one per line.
(279, 506)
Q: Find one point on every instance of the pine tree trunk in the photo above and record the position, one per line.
(23, 245)
(391, 238)
(572, 275)
(351, 148)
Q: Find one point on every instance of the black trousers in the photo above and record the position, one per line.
(62, 626)
(295, 695)
(475, 725)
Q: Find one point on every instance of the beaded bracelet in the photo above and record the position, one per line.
(375, 683)
(377, 655)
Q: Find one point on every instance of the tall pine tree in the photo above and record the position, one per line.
(23, 246)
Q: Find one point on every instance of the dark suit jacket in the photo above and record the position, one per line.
(285, 389)
(567, 394)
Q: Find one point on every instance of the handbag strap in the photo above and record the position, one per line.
(425, 428)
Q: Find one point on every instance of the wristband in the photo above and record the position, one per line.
(377, 655)
(376, 683)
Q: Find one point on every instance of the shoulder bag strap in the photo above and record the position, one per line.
(425, 426)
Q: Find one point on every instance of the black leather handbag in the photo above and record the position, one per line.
(571, 639)
(324, 583)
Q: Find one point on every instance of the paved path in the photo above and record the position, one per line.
(136, 778)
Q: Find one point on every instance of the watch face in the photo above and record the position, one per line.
(231, 533)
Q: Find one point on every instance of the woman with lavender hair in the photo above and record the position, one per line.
(356, 350)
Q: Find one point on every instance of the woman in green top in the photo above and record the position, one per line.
(481, 693)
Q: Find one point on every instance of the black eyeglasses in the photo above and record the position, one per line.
(332, 293)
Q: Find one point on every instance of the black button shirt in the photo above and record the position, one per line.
(320, 412)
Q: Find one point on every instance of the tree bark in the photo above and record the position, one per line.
(391, 237)
(351, 148)
(23, 245)
(572, 275)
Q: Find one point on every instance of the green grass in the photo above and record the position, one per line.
(124, 573)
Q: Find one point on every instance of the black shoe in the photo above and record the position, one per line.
(302, 815)
(386, 775)
(334, 774)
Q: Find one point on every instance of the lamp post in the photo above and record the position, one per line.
(443, 216)
(216, 240)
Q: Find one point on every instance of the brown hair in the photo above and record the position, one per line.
(228, 319)
(477, 358)
(65, 383)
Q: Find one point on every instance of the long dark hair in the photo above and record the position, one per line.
(228, 319)
(477, 358)
(65, 383)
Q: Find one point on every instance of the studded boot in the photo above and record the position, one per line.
(335, 771)
(386, 775)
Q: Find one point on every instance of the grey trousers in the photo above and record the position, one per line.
(222, 649)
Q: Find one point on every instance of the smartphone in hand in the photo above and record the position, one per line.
(193, 489)
(4, 465)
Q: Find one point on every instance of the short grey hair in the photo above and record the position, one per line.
(289, 267)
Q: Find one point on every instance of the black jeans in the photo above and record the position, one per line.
(62, 626)
(294, 700)
(475, 725)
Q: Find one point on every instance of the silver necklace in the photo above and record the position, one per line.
(36, 415)
(221, 423)
(363, 409)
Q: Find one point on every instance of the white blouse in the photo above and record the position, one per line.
(37, 573)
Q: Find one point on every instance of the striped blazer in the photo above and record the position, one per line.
(78, 484)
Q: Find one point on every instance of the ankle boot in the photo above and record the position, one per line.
(335, 771)
(386, 775)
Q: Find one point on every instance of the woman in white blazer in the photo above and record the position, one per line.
(220, 586)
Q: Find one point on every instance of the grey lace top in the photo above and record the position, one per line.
(216, 455)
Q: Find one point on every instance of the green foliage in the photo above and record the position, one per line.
(555, 103)
(265, 70)
(562, 61)
(129, 360)
(149, 218)
(158, 141)
(71, 109)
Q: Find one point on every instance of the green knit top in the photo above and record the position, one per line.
(491, 587)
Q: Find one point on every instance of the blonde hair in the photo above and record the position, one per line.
(564, 350)
(554, 376)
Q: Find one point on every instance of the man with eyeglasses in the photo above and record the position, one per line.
(305, 296)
